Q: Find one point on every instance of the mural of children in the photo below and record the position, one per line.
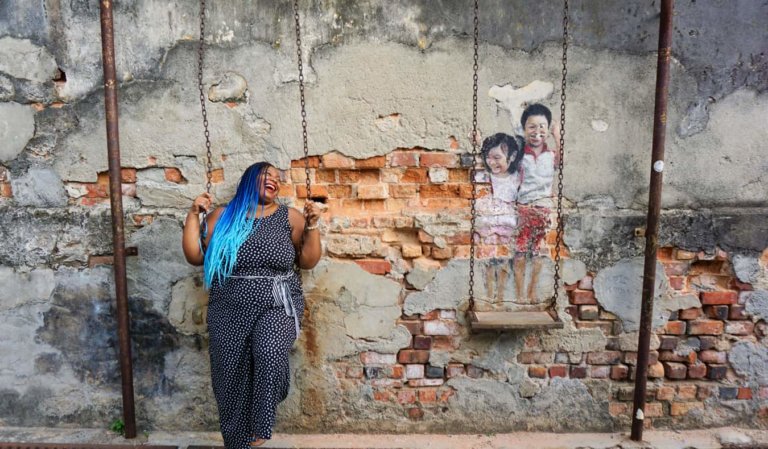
(534, 202)
(497, 218)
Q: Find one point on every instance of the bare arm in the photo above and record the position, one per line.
(309, 254)
(190, 240)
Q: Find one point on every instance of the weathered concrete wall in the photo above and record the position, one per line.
(389, 110)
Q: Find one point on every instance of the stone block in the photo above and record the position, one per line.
(656, 371)
(438, 174)
(411, 250)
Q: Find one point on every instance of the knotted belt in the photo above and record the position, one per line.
(282, 294)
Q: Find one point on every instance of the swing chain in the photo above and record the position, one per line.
(301, 91)
(559, 238)
(209, 162)
(473, 170)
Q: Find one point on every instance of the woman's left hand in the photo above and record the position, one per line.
(312, 212)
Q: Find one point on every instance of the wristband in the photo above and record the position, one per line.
(313, 227)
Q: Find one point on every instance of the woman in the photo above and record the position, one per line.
(255, 300)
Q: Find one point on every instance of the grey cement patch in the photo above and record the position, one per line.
(40, 187)
(17, 126)
(750, 360)
(757, 304)
(20, 58)
(747, 268)
(619, 290)
(446, 291)
(23, 288)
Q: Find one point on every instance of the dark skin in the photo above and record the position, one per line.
(309, 254)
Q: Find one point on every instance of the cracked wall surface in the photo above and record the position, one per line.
(388, 95)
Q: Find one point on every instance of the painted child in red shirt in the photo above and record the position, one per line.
(534, 198)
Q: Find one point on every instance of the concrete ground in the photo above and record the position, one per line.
(728, 437)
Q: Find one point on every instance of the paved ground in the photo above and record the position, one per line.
(691, 439)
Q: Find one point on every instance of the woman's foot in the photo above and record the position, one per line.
(257, 442)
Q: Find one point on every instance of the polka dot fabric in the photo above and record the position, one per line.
(250, 337)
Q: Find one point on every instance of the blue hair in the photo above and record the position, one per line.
(240, 217)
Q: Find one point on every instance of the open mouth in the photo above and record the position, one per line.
(270, 186)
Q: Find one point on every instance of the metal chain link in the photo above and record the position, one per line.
(472, 170)
(301, 91)
(559, 239)
(209, 163)
(303, 117)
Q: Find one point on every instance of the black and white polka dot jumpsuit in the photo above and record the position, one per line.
(251, 333)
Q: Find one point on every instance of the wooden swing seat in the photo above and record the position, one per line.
(504, 321)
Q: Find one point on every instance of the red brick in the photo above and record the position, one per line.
(403, 191)
(737, 312)
(710, 356)
(686, 392)
(317, 191)
(578, 371)
(455, 370)
(374, 266)
(675, 327)
(690, 314)
(406, 396)
(672, 356)
(445, 395)
(217, 176)
(354, 372)
(337, 160)
(682, 408)
(706, 392)
(441, 253)
(665, 393)
(739, 328)
(413, 326)
(128, 174)
(558, 371)
(415, 414)
(675, 268)
(174, 175)
(619, 372)
(431, 315)
(5, 190)
(655, 371)
(677, 282)
(605, 326)
(413, 356)
(668, 342)
(604, 358)
(697, 371)
(314, 162)
(589, 312)
(653, 410)
(719, 297)
(716, 312)
(439, 160)
(428, 395)
(717, 372)
(404, 159)
(458, 175)
(382, 395)
(583, 297)
(415, 176)
(371, 162)
(422, 342)
(537, 371)
(426, 382)
(705, 327)
(675, 370)
(600, 372)
(440, 191)
(375, 358)
(744, 393)
(618, 408)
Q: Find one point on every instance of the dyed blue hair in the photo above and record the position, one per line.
(237, 221)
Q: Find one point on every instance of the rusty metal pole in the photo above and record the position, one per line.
(654, 211)
(116, 202)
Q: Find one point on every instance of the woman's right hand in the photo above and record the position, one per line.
(202, 202)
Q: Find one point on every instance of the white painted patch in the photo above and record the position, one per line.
(600, 126)
(515, 100)
(658, 166)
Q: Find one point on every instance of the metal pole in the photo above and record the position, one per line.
(116, 202)
(654, 209)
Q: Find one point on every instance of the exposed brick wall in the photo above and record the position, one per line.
(372, 207)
